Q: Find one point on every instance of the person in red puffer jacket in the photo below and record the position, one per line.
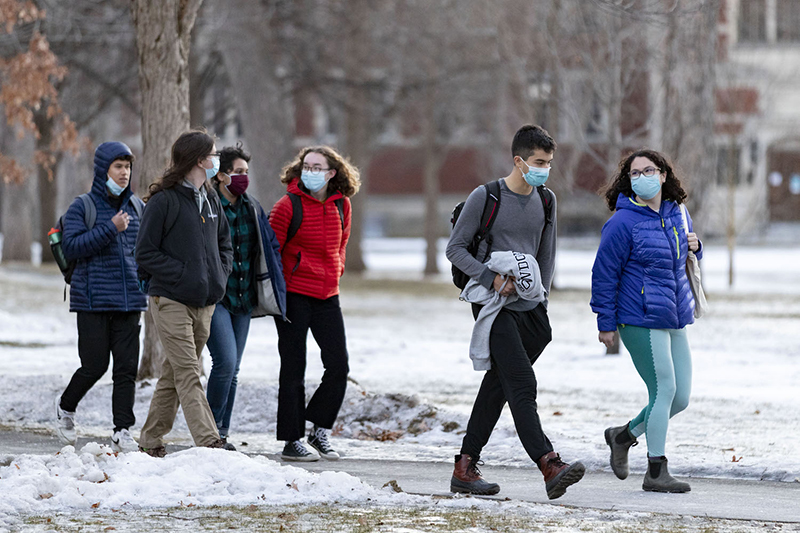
(319, 183)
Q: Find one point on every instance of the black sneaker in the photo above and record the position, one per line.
(228, 445)
(318, 439)
(295, 451)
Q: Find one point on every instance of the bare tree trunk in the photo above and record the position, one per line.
(433, 159)
(264, 103)
(16, 202)
(357, 151)
(615, 100)
(163, 36)
(730, 229)
(48, 186)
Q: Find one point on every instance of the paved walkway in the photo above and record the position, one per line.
(716, 498)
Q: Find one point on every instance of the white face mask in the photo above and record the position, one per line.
(113, 188)
(314, 181)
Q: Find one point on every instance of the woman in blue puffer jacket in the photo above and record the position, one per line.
(639, 287)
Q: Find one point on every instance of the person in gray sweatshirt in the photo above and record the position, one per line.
(521, 329)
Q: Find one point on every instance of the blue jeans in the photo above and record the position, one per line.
(226, 344)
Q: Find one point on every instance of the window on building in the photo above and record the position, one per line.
(753, 20)
(788, 23)
(728, 165)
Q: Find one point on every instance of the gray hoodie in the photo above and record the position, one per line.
(528, 283)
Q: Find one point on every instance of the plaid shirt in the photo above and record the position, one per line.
(240, 295)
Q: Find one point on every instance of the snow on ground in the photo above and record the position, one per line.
(413, 385)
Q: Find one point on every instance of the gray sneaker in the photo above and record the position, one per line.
(294, 450)
(65, 424)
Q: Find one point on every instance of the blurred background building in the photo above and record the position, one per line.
(426, 96)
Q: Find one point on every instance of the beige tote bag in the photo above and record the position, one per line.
(694, 275)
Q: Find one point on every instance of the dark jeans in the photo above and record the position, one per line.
(225, 343)
(324, 318)
(516, 341)
(99, 336)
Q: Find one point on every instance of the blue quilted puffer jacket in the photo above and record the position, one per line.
(105, 273)
(639, 274)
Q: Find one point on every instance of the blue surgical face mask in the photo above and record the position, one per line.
(536, 176)
(113, 188)
(314, 181)
(646, 187)
(214, 170)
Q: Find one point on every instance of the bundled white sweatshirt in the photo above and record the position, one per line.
(528, 282)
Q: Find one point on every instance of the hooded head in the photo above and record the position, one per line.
(104, 156)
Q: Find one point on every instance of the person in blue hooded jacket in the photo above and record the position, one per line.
(639, 287)
(104, 293)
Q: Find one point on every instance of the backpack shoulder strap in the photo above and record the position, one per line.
(89, 210)
(297, 217)
(547, 203)
(490, 208)
(173, 209)
(340, 206)
(137, 205)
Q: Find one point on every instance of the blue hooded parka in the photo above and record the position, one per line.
(105, 273)
(639, 274)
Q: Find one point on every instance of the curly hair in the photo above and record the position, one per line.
(621, 182)
(347, 179)
(190, 148)
(229, 154)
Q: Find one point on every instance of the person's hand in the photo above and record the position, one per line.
(694, 242)
(509, 289)
(121, 220)
(607, 338)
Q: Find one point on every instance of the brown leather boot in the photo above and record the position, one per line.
(559, 475)
(467, 478)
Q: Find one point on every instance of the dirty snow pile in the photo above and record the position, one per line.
(97, 477)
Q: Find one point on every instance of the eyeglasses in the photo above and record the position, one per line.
(648, 172)
(315, 168)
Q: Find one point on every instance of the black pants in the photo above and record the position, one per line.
(99, 335)
(324, 318)
(516, 341)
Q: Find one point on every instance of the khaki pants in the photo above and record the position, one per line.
(183, 332)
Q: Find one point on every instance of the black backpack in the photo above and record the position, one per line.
(297, 215)
(490, 208)
(56, 233)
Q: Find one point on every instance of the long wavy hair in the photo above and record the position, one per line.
(621, 182)
(188, 150)
(347, 179)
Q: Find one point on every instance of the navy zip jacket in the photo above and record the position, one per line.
(188, 253)
(639, 274)
(105, 272)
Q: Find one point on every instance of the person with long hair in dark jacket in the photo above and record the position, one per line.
(184, 246)
(640, 288)
(319, 184)
(104, 294)
(255, 285)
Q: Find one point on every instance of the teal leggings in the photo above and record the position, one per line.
(662, 358)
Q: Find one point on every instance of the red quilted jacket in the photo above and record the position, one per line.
(313, 261)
